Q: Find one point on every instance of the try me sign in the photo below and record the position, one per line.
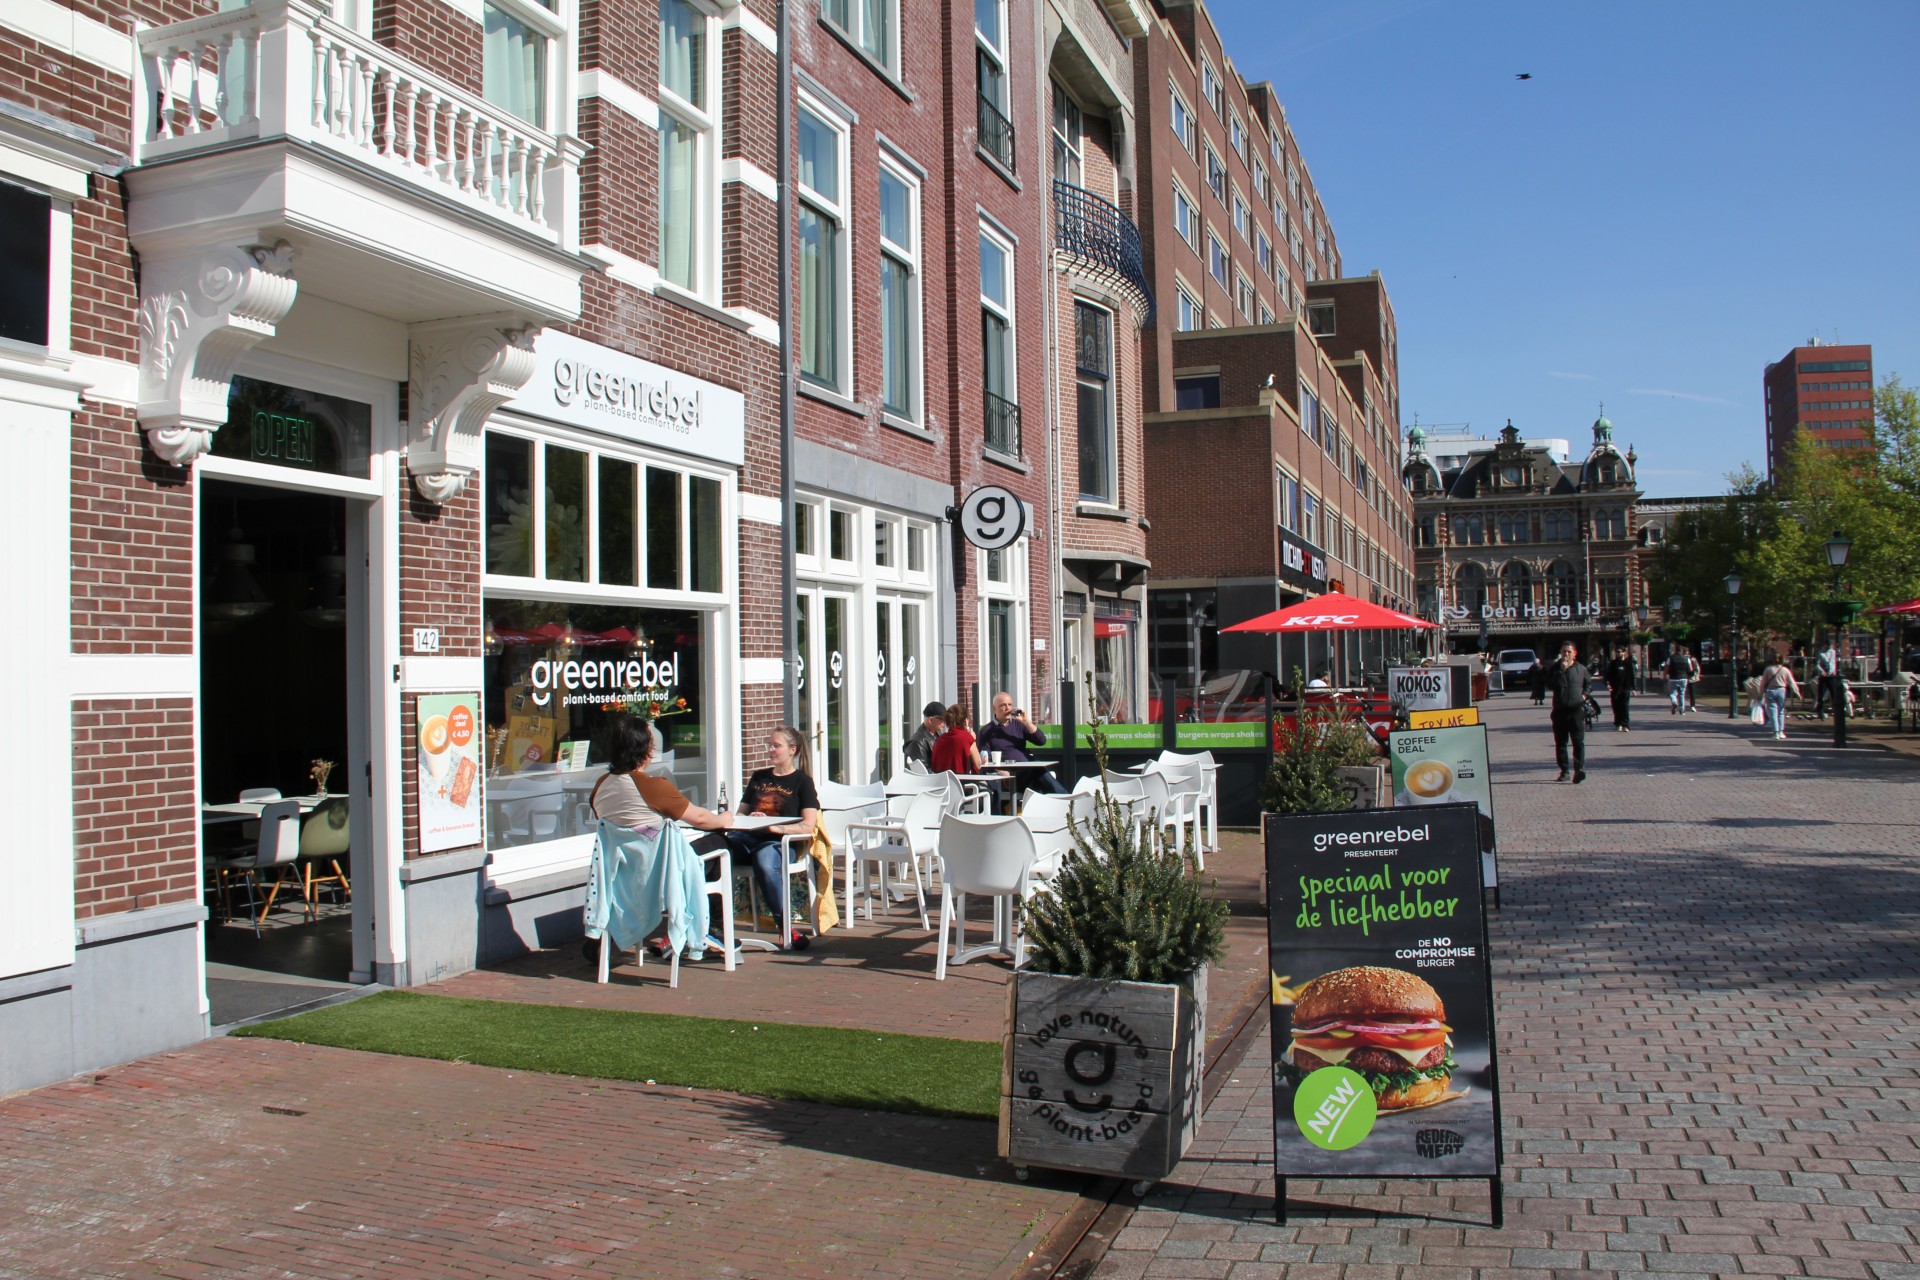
(1429, 688)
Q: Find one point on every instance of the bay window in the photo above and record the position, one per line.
(1093, 375)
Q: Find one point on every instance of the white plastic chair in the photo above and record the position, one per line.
(842, 806)
(964, 797)
(982, 855)
(1185, 789)
(277, 852)
(720, 887)
(1050, 817)
(325, 837)
(909, 834)
(1209, 791)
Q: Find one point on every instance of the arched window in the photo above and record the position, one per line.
(1513, 526)
(1562, 587)
(1470, 588)
(1516, 585)
(1470, 531)
(1608, 469)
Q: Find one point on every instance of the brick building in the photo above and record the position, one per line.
(1517, 546)
(1823, 390)
(399, 384)
(1271, 379)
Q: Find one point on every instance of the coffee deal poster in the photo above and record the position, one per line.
(448, 747)
(1446, 766)
(1383, 1038)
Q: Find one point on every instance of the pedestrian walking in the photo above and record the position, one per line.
(1776, 683)
(1619, 676)
(1569, 683)
(1537, 681)
(1825, 666)
(1693, 683)
(1679, 671)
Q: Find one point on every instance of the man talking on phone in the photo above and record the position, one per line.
(1010, 733)
(1569, 683)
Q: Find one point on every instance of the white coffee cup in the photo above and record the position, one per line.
(994, 756)
(436, 747)
(1429, 781)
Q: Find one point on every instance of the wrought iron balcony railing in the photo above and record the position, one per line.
(1003, 425)
(1101, 240)
(996, 132)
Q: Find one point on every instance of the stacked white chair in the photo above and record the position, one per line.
(1051, 819)
(982, 855)
(1186, 788)
(841, 807)
(909, 834)
(1209, 791)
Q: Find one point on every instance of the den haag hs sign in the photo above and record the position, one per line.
(587, 385)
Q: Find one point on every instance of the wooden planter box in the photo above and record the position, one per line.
(1366, 786)
(1101, 1076)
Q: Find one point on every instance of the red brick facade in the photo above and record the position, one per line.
(135, 816)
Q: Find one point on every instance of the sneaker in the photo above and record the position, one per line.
(1579, 775)
(715, 944)
(1562, 777)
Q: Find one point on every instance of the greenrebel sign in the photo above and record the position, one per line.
(1186, 737)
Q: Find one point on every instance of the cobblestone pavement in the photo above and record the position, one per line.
(1708, 985)
(256, 1158)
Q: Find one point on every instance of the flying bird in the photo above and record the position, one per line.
(1524, 75)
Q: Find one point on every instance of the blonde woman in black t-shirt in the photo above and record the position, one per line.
(782, 790)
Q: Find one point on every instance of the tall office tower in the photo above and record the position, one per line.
(1827, 391)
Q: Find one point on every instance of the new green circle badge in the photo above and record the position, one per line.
(1334, 1108)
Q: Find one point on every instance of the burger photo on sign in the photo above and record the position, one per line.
(1386, 1025)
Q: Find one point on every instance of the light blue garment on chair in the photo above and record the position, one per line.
(636, 877)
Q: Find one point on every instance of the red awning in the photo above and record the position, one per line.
(1911, 606)
(1331, 612)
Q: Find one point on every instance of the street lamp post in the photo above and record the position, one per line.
(1732, 581)
(1839, 613)
(1640, 612)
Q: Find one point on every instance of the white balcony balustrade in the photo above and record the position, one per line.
(283, 70)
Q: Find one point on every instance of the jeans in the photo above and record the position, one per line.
(1823, 690)
(1622, 713)
(769, 861)
(1776, 710)
(1570, 726)
(1677, 693)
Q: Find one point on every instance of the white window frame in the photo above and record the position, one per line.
(705, 123)
(856, 539)
(855, 30)
(1111, 427)
(1180, 116)
(553, 26)
(1012, 589)
(1189, 315)
(1245, 299)
(1217, 248)
(1211, 165)
(806, 514)
(1191, 232)
(907, 256)
(839, 212)
(1007, 312)
(998, 55)
(1210, 87)
(1242, 216)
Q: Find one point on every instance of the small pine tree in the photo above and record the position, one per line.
(1126, 903)
(1303, 777)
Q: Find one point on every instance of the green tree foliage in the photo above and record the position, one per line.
(1126, 903)
(1773, 535)
(1303, 777)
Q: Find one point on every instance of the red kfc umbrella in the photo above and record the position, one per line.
(1331, 612)
(1911, 606)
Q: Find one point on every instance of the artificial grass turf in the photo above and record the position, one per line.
(919, 1075)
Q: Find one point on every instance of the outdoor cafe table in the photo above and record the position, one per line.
(748, 822)
(1020, 767)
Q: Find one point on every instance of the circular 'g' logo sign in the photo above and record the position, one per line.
(1334, 1108)
(993, 517)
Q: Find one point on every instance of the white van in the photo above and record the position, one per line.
(1514, 665)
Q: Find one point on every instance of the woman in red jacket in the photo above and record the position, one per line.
(954, 751)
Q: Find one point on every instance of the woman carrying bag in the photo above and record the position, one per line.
(1776, 682)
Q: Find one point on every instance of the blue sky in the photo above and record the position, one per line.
(1681, 193)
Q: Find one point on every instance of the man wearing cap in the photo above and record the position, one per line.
(919, 748)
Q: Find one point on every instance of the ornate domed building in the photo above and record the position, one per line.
(1517, 546)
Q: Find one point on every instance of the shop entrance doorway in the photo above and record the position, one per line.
(283, 744)
(824, 668)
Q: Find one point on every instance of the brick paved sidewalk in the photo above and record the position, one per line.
(875, 975)
(1708, 980)
(257, 1158)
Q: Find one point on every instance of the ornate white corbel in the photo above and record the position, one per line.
(458, 373)
(201, 310)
